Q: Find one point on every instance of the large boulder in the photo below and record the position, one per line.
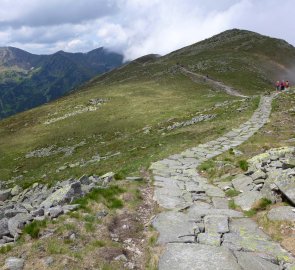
(247, 200)
(17, 223)
(3, 227)
(13, 263)
(16, 190)
(5, 194)
(63, 195)
(282, 213)
(287, 186)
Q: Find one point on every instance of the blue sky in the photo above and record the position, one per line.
(135, 27)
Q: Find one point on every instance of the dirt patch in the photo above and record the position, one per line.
(131, 229)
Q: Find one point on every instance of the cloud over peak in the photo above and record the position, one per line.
(135, 27)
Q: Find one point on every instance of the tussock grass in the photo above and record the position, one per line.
(33, 229)
(232, 193)
(108, 196)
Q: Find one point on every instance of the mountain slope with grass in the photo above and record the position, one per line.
(28, 80)
(124, 120)
(241, 59)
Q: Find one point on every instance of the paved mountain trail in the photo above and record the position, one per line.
(198, 230)
(216, 84)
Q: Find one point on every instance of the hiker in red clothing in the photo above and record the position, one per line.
(287, 85)
(283, 85)
(278, 85)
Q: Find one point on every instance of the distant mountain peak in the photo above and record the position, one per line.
(29, 80)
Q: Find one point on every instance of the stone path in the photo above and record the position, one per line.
(216, 84)
(197, 229)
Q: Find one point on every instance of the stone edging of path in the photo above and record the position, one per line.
(198, 230)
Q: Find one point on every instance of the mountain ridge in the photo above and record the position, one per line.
(28, 80)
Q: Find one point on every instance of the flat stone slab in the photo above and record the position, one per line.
(211, 239)
(196, 211)
(250, 260)
(220, 203)
(216, 224)
(242, 183)
(173, 226)
(169, 201)
(245, 234)
(282, 213)
(197, 257)
(213, 191)
(248, 199)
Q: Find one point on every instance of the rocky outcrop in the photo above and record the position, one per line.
(271, 175)
(20, 207)
(197, 119)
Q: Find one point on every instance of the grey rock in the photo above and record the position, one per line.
(250, 260)
(289, 163)
(213, 191)
(9, 213)
(108, 176)
(17, 223)
(242, 183)
(179, 256)
(216, 224)
(287, 187)
(269, 191)
(102, 214)
(13, 263)
(121, 257)
(258, 175)
(39, 218)
(134, 178)
(38, 212)
(172, 226)
(8, 239)
(84, 180)
(16, 190)
(5, 194)
(48, 261)
(197, 211)
(245, 235)
(70, 207)
(27, 206)
(220, 203)
(55, 212)
(224, 185)
(247, 200)
(211, 239)
(282, 213)
(276, 164)
(3, 227)
(289, 266)
(63, 195)
(259, 181)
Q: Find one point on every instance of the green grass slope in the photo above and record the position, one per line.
(245, 60)
(143, 98)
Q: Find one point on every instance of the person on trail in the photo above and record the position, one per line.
(283, 85)
(278, 85)
(287, 85)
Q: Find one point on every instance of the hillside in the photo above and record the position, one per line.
(242, 59)
(28, 80)
(122, 122)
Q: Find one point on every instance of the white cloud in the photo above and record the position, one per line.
(135, 27)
